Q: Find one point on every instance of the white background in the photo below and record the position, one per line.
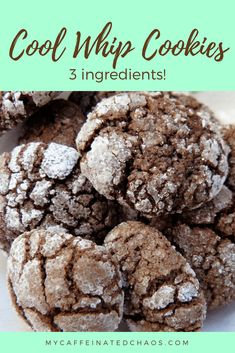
(223, 103)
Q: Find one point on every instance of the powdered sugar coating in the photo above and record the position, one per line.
(58, 161)
(108, 154)
(158, 281)
(161, 298)
(168, 156)
(42, 186)
(57, 284)
(15, 106)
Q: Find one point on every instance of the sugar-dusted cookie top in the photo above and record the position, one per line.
(41, 186)
(63, 283)
(156, 152)
(161, 290)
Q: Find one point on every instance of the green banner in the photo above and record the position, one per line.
(123, 45)
(117, 342)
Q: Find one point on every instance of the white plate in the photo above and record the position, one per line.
(223, 103)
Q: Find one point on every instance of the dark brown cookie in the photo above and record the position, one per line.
(157, 152)
(213, 260)
(16, 106)
(161, 290)
(58, 121)
(229, 137)
(62, 283)
(41, 186)
(225, 224)
(225, 221)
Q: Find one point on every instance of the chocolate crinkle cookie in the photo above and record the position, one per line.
(41, 186)
(213, 260)
(16, 106)
(225, 221)
(229, 137)
(161, 290)
(87, 100)
(58, 121)
(156, 153)
(62, 283)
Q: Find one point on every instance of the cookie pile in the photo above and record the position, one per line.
(118, 207)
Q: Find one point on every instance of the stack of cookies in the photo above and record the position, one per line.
(117, 207)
